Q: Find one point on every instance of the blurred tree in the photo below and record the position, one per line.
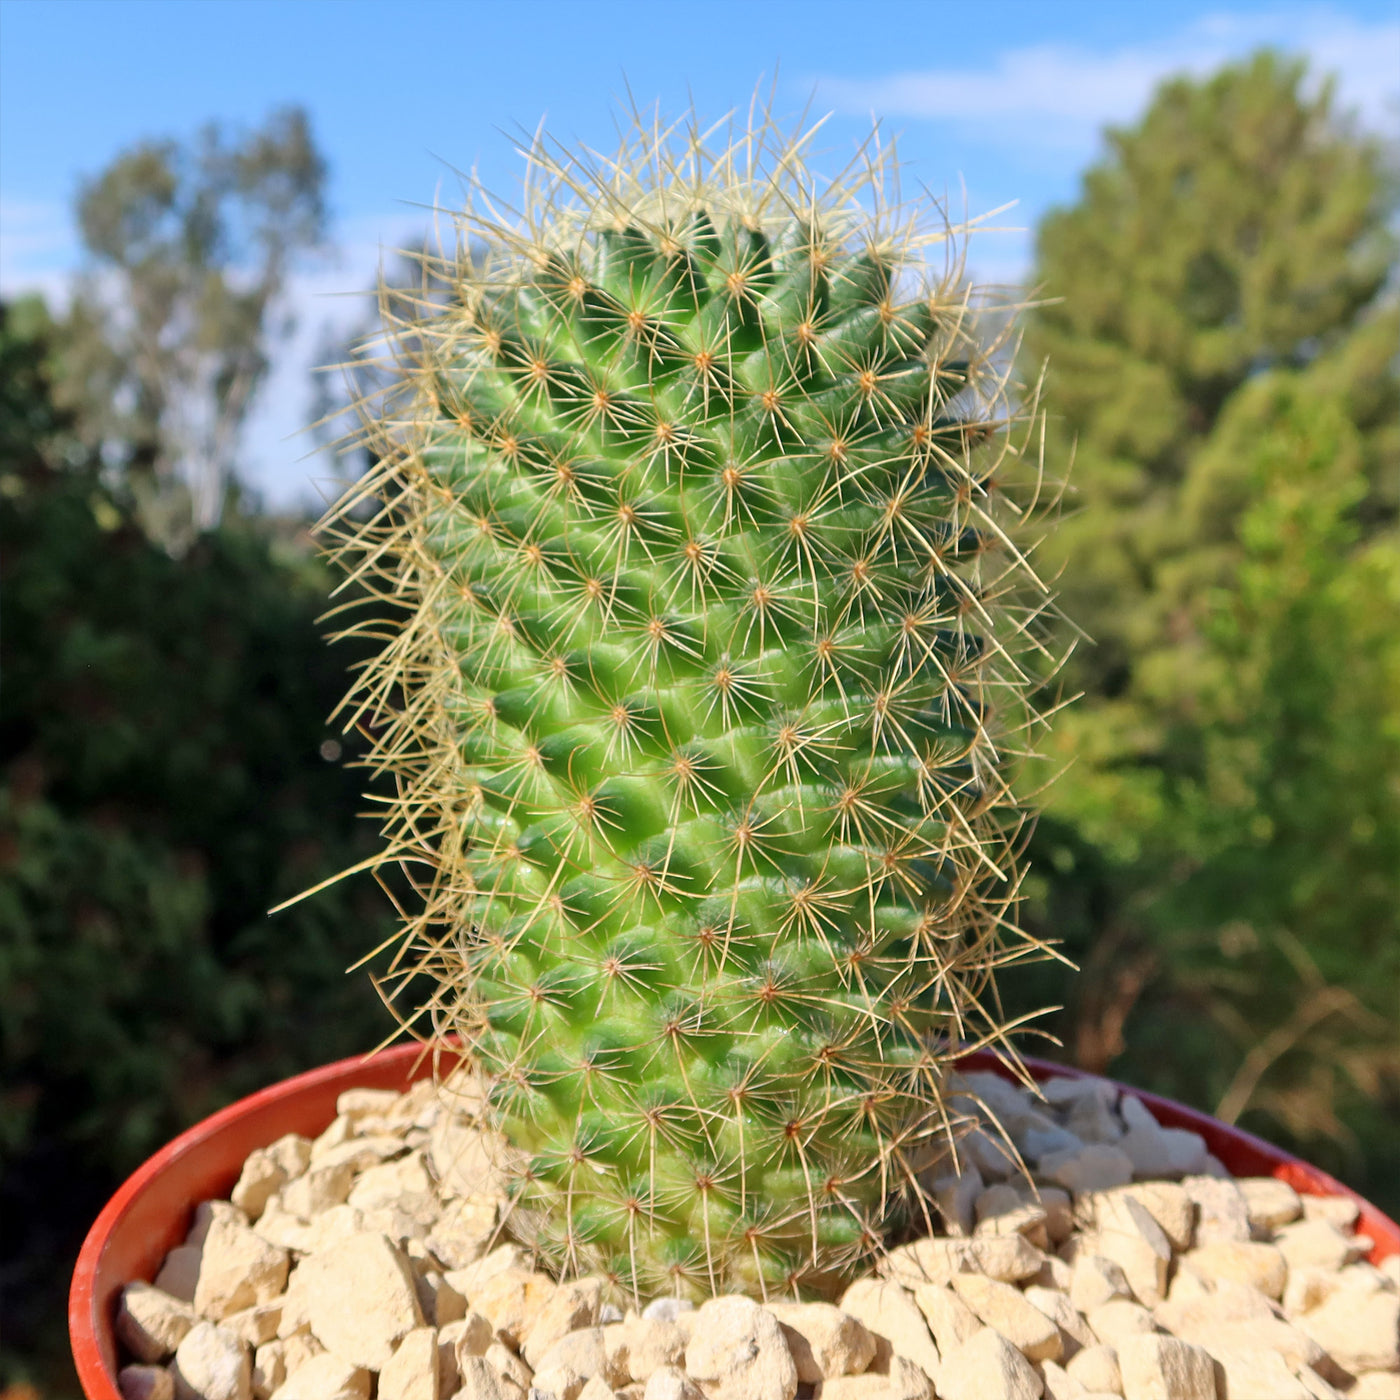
(1223, 853)
(1240, 226)
(166, 775)
(167, 340)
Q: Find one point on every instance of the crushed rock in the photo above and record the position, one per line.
(1116, 1257)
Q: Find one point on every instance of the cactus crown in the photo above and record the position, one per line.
(702, 682)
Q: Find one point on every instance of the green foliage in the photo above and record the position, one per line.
(161, 785)
(1222, 855)
(702, 693)
(1238, 227)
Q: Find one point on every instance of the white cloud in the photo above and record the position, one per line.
(1060, 95)
(38, 248)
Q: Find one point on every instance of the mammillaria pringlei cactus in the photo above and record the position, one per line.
(696, 502)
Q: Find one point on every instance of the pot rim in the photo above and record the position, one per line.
(92, 1296)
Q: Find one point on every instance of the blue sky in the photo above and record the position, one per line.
(1004, 99)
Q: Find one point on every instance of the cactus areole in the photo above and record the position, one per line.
(693, 540)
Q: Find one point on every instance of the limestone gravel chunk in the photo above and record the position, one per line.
(989, 1154)
(956, 1195)
(1269, 1203)
(671, 1383)
(1073, 1326)
(412, 1372)
(950, 1319)
(403, 1183)
(1222, 1212)
(1009, 1258)
(292, 1152)
(1262, 1266)
(440, 1303)
(890, 1313)
(1054, 1272)
(1111, 1322)
(1092, 1119)
(988, 1367)
(596, 1388)
(1375, 1385)
(471, 1335)
(1064, 1091)
(567, 1307)
(904, 1381)
(1058, 1383)
(480, 1380)
(1360, 1333)
(1165, 1201)
(281, 1228)
(359, 1153)
(1008, 1312)
(1157, 1151)
(1129, 1236)
(321, 1186)
(1340, 1211)
(667, 1309)
(145, 1383)
(1059, 1217)
(585, 1354)
(361, 1299)
(262, 1175)
(1227, 1302)
(1272, 1333)
(1096, 1280)
(212, 1364)
(510, 1301)
(1164, 1368)
(468, 1161)
(238, 1268)
(325, 1377)
(645, 1344)
(1097, 1166)
(1315, 1244)
(823, 1340)
(737, 1352)
(558, 1383)
(299, 1348)
(206, 1213)
(1096, 1369)
(269, 1369)
(509, 1366)
(998, 1199)
(179, 1273)
(1040, 1141)
(1307, 1288)
(472, 1277)
(1250, 1371)
(257, 1324)
(151, 1323)
(360, 1103)
(463, 1231)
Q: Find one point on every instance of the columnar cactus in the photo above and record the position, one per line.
(701, 683)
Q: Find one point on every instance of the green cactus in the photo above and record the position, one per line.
(702, 684)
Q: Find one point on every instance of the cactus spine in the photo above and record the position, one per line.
(703, 677)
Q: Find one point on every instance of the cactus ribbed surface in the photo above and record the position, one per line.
(700, 684)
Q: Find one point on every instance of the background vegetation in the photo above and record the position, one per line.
(1221, 852)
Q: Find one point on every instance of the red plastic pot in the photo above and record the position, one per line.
(150, 1214)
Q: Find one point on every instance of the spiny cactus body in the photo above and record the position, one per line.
(700, 685)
